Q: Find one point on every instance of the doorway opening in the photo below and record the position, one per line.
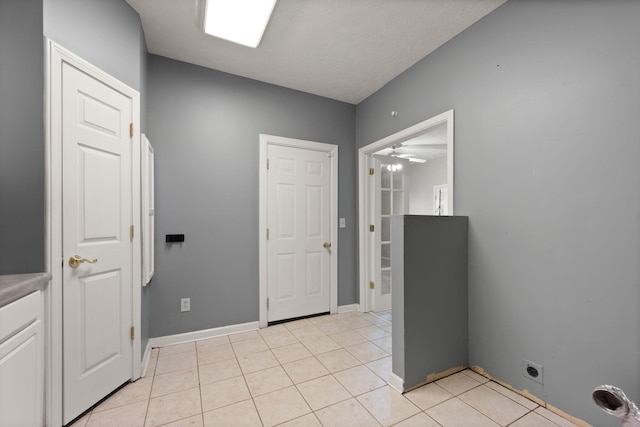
(409, 172)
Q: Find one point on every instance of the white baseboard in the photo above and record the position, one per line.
(396, 382)
(145, 358)
(348, 308)
(211, 333)
(200, 335)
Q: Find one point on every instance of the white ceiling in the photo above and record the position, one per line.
(340, 49)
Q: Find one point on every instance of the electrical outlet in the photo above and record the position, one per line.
(185, 304)
(531, 370)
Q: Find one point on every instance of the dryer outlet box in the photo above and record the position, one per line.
(532, 371)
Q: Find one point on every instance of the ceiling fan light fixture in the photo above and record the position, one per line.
(416, 160)
(394, 168)
(239, 21)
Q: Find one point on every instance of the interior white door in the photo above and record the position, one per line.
(299, 227)
(389, 200)
(96, 216)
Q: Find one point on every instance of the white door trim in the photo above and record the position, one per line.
(56, 56)
(364, 257)
(330, 149)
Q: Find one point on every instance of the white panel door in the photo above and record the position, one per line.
(299, 223)
(96, 211)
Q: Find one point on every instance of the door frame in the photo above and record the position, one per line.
(56, 56)
(332, 152)
(365, 194)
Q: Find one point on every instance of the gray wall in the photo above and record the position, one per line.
(21, 137)
(429, 296)
(106, 33)
(547, 99)
(204, 126)
(398, 300)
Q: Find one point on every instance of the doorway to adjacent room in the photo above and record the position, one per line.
(409, 172)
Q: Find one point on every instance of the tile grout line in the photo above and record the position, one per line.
(200, 384)
(521, 417)
(153, 380)
(244, 378)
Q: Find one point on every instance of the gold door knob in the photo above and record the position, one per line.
(327, 245)
(76, 260)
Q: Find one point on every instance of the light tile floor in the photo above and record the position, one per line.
(323, 371)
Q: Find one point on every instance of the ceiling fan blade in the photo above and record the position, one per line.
(435, 146)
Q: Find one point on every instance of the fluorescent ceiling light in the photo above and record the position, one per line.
(239, 21)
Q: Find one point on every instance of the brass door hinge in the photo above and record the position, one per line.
(372, 285)
(131, 232)
(267, 234)
(267, 164)
(372, 228)
(267, 303)
(133, 333)
(131, 130)
(372, 171)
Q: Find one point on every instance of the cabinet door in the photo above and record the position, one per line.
(21, 378)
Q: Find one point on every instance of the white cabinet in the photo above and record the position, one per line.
(22, 362)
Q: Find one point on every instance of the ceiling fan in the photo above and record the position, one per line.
(407, 156)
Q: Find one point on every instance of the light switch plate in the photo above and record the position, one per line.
(343, 223)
